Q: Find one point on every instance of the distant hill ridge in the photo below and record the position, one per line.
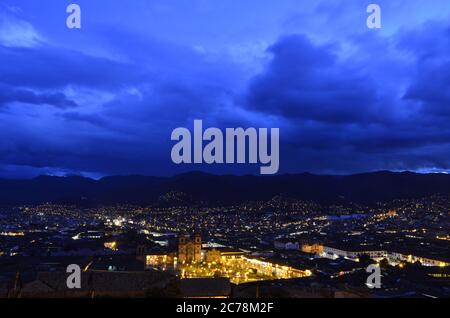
(362, 188)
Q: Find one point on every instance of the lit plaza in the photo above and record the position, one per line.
(192, 261)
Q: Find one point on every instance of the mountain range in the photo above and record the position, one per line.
(197, 186)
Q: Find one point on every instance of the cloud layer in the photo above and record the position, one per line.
(105, 100)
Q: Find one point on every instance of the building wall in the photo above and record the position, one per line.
(189, 250)
(312, 248)
(392, 257)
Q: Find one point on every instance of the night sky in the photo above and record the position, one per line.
(104, 100)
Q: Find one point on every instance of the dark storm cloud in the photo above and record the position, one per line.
(351, 115)
(430, 45)
(93, 119)
(431, 88)
(308, 82)
(430, 41)
(10, 94)
(50, 67)
(128, 133)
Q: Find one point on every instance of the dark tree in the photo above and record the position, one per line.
(365, 259)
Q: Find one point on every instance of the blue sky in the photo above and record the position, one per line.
(104, 100)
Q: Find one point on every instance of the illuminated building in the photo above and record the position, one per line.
(159, 260)
(333, 253)
(189, 250)
(312, 248)
(12, 234)
(110, 245)
(213, 256)
(286, 245)
(394, 258)
(443, 238)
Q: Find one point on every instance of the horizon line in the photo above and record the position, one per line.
(198, 172)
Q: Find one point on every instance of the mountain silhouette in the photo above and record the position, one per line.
(358, 188)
